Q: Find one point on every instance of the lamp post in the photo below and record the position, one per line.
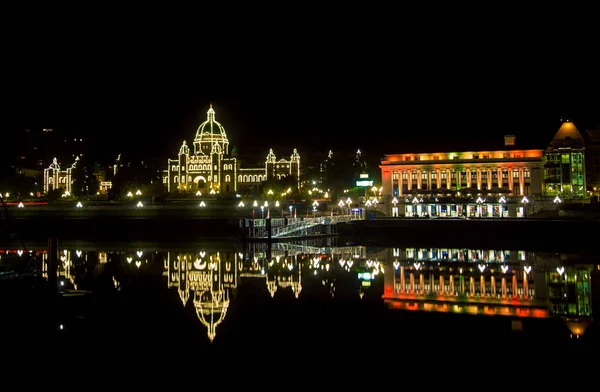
(315, 205)
(525, 201)
(479, 202)
(262, 212)
(341, 205)
(291, 208)
(415, 202)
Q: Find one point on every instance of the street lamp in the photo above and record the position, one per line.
(374, 189)
(315, 205)
(291, 208)
(341, 205)
(262, 212)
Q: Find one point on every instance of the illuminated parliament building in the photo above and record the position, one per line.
(209, 167)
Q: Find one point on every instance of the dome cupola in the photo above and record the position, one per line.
(209, 133)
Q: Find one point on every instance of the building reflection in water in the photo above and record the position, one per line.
(206, 278)
(491, 282)
(515, 283)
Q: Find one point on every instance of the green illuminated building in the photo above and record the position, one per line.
(564, 163)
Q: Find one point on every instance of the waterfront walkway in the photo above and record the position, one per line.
(275, 228)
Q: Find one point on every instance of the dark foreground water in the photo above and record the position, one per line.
(152, 307)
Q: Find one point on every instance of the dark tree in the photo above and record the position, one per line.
(85, 183)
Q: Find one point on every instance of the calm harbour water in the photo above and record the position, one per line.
(142, 301)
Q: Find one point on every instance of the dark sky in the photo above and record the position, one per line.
(384, 81)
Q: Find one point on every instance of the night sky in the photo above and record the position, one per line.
(377, 81)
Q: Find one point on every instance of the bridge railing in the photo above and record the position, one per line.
(294, 225)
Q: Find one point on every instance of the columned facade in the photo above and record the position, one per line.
(512, 172)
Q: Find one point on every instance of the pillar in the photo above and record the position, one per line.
(482, 285)
(402, 280)
(521, 182)
(399, 184)
(472, 286)
(499, 170)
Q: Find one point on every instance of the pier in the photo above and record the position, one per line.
(273, 229)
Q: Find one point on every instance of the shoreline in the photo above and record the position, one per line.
(532, 234)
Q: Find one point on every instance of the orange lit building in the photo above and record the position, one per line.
(515, 171)
(489, 183)
(509, 171)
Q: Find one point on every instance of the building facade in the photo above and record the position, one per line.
(56, 178)
(592, 162)
(564, 163)
(509, 171)
(211, 168)
(497, 183)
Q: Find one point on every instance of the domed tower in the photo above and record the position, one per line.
(210, 132)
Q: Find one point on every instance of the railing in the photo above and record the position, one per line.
(258, 228)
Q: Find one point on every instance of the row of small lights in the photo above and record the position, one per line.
(504, 268)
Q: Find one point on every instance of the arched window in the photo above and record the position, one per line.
(227, 178)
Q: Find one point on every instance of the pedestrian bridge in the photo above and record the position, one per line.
(274, 228)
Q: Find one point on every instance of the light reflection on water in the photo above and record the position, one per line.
(232, 294)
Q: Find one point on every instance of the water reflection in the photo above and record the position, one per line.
(494, 282)
(517, 284)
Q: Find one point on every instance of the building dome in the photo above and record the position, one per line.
(210, 130)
